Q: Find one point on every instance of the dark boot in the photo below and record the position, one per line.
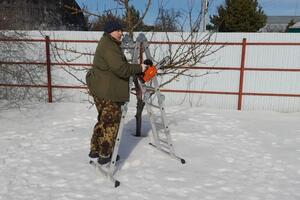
(105, 160)
(93, 154)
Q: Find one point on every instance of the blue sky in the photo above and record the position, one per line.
(271, 7)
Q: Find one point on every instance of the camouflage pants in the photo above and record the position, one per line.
(106, 129)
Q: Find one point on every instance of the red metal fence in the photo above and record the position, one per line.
(242, 68)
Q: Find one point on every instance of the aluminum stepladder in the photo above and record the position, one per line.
(153, 98)
(161, 140)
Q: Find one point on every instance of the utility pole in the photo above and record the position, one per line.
(204, 6)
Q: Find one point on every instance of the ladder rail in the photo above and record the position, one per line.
(160, 100)
(118, 139)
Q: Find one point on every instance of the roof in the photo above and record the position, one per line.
(282, 19)
(297, 25)
(40, 15)
(278, 23)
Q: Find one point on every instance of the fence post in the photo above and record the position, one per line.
(242, 71)
(48, 63)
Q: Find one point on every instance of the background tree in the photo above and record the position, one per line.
(18, 73)
(132, 18)
(98, 23)
(167, 20)
(132, 15)
(239, 16)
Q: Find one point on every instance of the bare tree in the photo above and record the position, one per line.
(129, 16)
(194, 48)
(13, 53)
(167, 20)
(66, 55)
(21, 82)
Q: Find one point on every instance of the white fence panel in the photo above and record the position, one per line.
(257, 56)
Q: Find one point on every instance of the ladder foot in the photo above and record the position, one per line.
(141, 136)
(117, 183)
(168, 153)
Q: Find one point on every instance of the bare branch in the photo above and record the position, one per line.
(76, 10)
(143, 15)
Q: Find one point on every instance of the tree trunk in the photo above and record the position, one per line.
(139, 108)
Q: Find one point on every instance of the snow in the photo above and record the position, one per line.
(230, 155)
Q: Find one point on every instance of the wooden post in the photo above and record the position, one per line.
(48, 63)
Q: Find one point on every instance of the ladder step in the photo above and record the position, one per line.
(163, 141)
(155, 106)
(149, 88)
(161, 127)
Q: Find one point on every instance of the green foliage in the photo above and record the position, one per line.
(167, 20)
(128, 20)
(132, 17)
(239, 16)
(98, 24)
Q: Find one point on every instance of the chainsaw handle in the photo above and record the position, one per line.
(148, 62)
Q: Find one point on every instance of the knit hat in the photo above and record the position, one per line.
(111, 26)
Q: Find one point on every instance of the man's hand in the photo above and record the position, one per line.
(144, 67)
(148, 62)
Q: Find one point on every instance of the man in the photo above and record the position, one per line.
(108, 83)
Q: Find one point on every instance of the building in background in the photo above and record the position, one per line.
(279, 23)
(295, 28)
(40, 15)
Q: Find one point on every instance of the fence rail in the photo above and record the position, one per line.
(242, 68)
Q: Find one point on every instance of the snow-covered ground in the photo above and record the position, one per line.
(230, 155)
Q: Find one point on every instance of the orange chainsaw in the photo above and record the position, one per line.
(149, 73)
(151, 70)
